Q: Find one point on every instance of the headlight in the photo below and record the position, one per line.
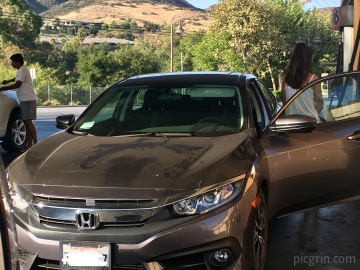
(208, 201)
(18, 197)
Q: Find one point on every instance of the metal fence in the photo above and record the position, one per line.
(51, 95)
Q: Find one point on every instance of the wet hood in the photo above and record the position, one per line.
(65, 165)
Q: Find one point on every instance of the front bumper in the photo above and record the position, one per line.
(184, 242)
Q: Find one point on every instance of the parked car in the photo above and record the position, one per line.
(12, 128)
(9, 256)
(182, 171)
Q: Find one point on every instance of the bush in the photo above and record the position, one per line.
(277, 94)
(52, 102)
(74, 103)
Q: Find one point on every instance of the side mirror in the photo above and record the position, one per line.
(293, 124)
(65, 121)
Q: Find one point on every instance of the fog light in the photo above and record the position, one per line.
(221, 256)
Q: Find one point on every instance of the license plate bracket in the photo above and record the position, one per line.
(85, 254)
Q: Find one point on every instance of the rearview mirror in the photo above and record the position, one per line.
(293, 124)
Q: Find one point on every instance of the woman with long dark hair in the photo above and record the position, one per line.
(298, 75)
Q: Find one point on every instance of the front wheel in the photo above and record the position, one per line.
(15, 137)
(260, 232)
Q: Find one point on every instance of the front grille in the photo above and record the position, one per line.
(94, 202)
(51, 221)
(122, 224)
(63, 212)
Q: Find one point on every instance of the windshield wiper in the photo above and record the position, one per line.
(170, 134)
(155, 134)
(80, 133)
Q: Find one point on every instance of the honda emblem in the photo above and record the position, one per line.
(87, 221)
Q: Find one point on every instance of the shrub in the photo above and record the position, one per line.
(277, 94)
(75, 103)
(52, 102)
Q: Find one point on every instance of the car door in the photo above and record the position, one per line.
(319, 168)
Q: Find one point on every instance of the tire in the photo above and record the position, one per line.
(260, 233)
(15, 137)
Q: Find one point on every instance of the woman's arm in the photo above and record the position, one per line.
(283, 96)
(318, 97)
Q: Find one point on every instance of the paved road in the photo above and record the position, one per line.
(324, 239)
(45, 125)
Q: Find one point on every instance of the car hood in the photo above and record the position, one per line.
(132, 167)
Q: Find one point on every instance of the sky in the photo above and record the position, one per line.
(313, 3)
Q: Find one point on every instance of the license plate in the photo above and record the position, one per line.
(88, 255)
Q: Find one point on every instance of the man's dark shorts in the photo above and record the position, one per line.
(28, 109)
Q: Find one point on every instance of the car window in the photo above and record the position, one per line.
(269, 98)
(208, 110)
(341, 99)
(258, 104)
(108, 110)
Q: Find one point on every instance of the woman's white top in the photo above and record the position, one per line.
(303, 104)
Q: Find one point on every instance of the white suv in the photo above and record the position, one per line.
(12, 128)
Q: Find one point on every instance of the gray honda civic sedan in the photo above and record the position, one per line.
(182, 171)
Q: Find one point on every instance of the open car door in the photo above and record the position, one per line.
(316, 164)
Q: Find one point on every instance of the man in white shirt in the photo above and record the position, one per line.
(26, 95)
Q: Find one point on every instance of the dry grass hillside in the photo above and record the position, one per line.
(161, 14)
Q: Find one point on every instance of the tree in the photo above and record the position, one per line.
(214, 52)
(114, 25)
(186, 47)
(93, 29)
(56, 23)
(131, 60)
(7, 72)
(264, 32)
(18, 25)
(71, 31)
(82, 32)
(6, 52)
(151, 27)
(45, 77)
(94, 66)
(125, 25)
(105, 27)
(127, 34)
(41, 53)
(156, 47)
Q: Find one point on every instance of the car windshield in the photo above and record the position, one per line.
(195, 110)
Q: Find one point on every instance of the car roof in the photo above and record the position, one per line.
(198, 77)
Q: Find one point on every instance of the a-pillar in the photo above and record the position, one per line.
(356, 28)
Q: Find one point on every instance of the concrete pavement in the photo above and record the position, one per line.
(46, 111)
